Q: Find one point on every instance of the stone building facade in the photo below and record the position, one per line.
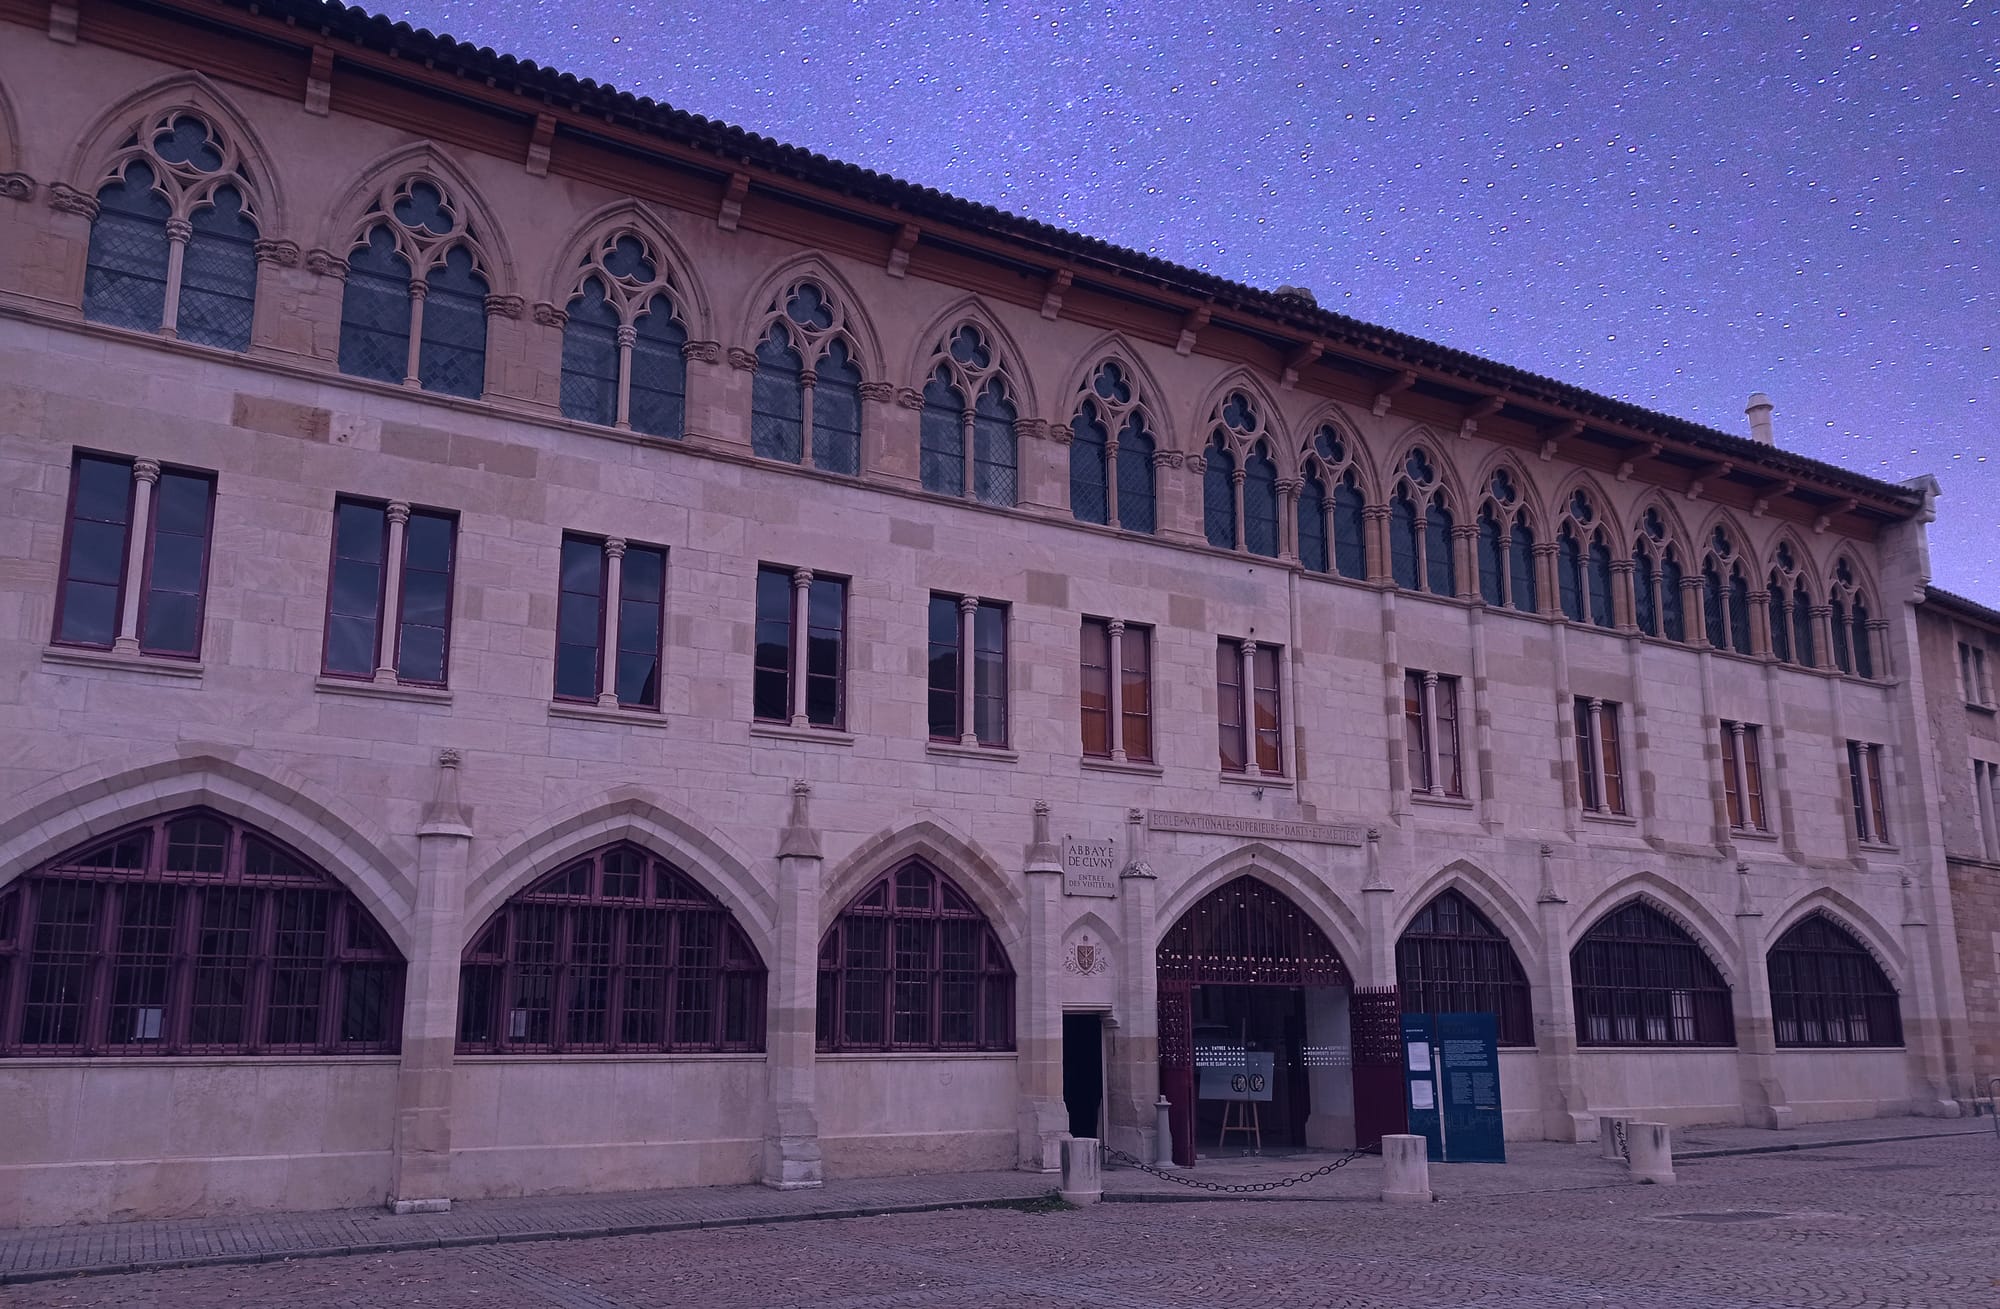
(354, 847)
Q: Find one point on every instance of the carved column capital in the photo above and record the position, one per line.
(707, 352)
(1168, 459)
(505, 306)
(627, 335)
(399, 512)
(16, 186)
(742, 360)
(549, 315)
(285, 254)
(146, 470)
(180, 230)
(880, 393)
(325, 263)
(909, 398)
(1031, 429)
(68, 200)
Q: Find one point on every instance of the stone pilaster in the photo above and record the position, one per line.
(1565, 1111)
(1923, 1023)
(1764, 1101)
(430, 1001)
(791, 1135)
(1043, 1120)
(1134, 1073)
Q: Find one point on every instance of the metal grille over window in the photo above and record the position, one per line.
(912, 964)
(624, 364)
(1828, 990)
(617, 952)
(1641, 980)
(967, 426)
(173, 245)
(192, 934)
(1452, 960)
(414, 307)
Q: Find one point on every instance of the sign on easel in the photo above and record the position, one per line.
(1090, 867)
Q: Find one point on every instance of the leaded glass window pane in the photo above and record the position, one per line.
(1312, 525)
(1569, 574)
(1673, 618)
(1403, 541)
(1135, 478)
(1439, 560)
(125, 270)
(994, 458)
(1601, 612)
(1350, 550)
(942, 435)
(590, 358)
(657, 403)
(837, 413)
(1492, 560)
(1260, 504)
(777, 400)
(1087, 495)
(1218, 495)
(375, 311)
(219, 275)
(453, 358)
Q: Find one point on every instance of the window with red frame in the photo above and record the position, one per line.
(171, 571)
(192, 934)
(583, 613)
(1249, 710)
(365, 571)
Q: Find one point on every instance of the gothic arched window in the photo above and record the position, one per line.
(1240, 480)
(1583, 565)
(912, 964)
(623, 359)
(1725, 595)
(618, 951)
(967, 427)
(1852, 643)
(1452, 960)
(1420, 523)
(1260, 502)
(173, 242)
(1332, 530)
(1506, 547)
(1790, 603)
(192, 934)
(1657, 604)
(1111, 454)
(414, 310)
(807, 382)
(1827, 990)
(1642, 980)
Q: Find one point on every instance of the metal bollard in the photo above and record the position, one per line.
(1082, 1181)
(1163, 1145)
(1652, 1152)
(1406, 1170)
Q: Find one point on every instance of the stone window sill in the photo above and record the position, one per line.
(992, 753)
(1753, 834)
(1132, 768)
(591, 713)
(918, 1054)
(381, 690)
(1443, 801)
(817, 735)
(157, 665)
(633, 1057)
(1979, 708)
(1610, 819)
(1876, 847)
(1261, 780)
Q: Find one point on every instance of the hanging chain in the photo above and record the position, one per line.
(1239, 1188)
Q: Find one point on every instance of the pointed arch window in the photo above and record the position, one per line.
(1583, 565)
(1260, 502)
(623, 342)
(1640, 979)
(1240, 480)
(414, 310)
(1218, 494)
(173, 243)
(1725, 595)
(1111, 454)
(1657, 603)
(1420, 526)
(967, 425)
(1791, 610)
(807, 383)
(619, 951)
(1852, 641)
(1828, 990)
(1331, 531)
(1506, 547)
(192, 934)
(1452, 960)
(912, 964)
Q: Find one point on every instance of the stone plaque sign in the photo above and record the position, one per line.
(1267, 829)
(1090, 867)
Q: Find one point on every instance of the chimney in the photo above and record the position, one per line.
(1759, 410)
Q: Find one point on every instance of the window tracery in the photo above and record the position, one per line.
(1725, 595)
(1506, 547)
(968, 446)
(807, 381)
(1657, 579)
(414, 310)
(1240, 480)
(1332, 508)
(1111, 453)
(1791, 610)
(1420, 528)
(1583, 564)
(1853, 645)
(623, 340)
(173, 240)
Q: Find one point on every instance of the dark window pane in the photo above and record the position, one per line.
(1135, 479)
(989, 685)
(579, 618)
(941, 433)
(453, 358)
(219, 275)
(1087, 481)
(639, 621)
(658, 400)
(837, 413)
(771, 689)
(590, 358)
(425, 611)
(994, 456)
(944, 663)
(375, 311)
(125, 268)
(1260, 504)
(1218, 497)
(777, 400)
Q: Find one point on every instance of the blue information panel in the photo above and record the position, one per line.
(1451, 1086)
(1470, 1082)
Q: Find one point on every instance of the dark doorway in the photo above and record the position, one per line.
(1083, 1072)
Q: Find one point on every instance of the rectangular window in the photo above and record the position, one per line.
(1743, 776)
(1600, 772)
(365, 571)
(1864, 778)
(107, 496)
(1430, 733)
(1972, 675)
(1986, 806)
(784, 690)
(582, 614)
(1116, 726)
(955, 716)
(1249, 708)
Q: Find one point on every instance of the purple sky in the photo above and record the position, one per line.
(1676, 204)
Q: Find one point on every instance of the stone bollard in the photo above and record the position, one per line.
(1651, 1148)
(1406, 1170)
(1081, 1181)
(1611, 1138)
(1163, 1127)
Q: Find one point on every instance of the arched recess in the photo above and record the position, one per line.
(971, 311)
(959, 857)
(1114, 348)
(1692, 917)
(1490, 896)
(343, 222)
(1443, 448)
(91, 802)
(109, 131)
(641, 219)
(1608, 517)
(625, 816)
(858, 326)
(1275, 424)
(1285, 874)
(1361, 454)
(1856, 921)
(1528, 489)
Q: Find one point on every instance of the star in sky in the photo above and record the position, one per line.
(1676, 203)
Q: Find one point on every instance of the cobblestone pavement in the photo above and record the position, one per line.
(1913, 1223)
